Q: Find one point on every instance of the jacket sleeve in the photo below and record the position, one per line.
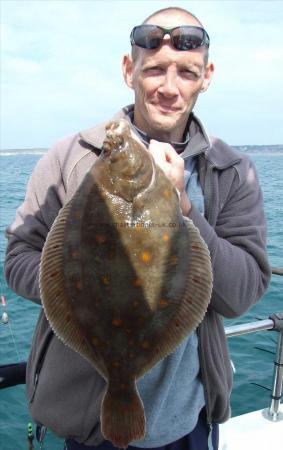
(237, 245)
(26, 235)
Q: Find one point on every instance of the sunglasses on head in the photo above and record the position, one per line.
(185, 37)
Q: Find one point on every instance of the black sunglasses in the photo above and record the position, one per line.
(185, 37)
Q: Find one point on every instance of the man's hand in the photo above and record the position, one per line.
(173, 166)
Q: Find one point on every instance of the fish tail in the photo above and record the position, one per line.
(122, 415)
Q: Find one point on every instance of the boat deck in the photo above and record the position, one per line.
(251, 431)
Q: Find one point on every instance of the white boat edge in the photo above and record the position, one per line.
(251, 431)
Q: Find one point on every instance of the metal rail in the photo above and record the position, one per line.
(250, 327)
(277, 271)
(274, 323)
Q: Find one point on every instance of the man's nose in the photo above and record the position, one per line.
(169, 87)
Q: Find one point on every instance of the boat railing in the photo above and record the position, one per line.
(274, 323)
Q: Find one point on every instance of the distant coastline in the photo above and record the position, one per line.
(259, 148)
(22, 151)
(243, 148)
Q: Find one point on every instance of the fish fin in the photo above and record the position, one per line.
(122, 416)
(195, 301)
(199, 283)
(55, 301)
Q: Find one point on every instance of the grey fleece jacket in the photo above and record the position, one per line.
(59, 381)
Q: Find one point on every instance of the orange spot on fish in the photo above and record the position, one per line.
(137, 282)
(68, 318)
(167, 193)
(196, 280)
(163, 302)
(145, 344)
(116, 322)
(105, 280)
(54, 274)
(78, 285)
(146, 257)
(77, 215)
(173, 260)
(165, 237)
(116, 364)
(100, 238)
(95, 341)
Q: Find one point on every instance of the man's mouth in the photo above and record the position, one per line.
(168, 108)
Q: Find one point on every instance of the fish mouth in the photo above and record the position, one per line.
(113, 143)
(114, 140)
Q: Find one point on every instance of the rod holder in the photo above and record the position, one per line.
(273, 413)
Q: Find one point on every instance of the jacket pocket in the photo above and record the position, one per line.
(40, 344)
(216, 369)
(65, 391)
(39, 364)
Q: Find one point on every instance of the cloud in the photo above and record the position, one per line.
(61, 66)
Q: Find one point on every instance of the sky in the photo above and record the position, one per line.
(61, 67)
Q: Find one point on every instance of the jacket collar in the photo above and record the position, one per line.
(95, 136)
(219, 154)
(198, 141)
(222, 155)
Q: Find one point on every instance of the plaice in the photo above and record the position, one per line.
(124, 277)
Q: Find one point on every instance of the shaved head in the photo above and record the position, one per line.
(170, 11)
(178, 16)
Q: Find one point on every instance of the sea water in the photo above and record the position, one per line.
(252, 354)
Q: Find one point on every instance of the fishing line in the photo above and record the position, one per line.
(265, 350)
(14, 342)
(6, 321)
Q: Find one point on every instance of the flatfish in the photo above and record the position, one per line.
(124, 277)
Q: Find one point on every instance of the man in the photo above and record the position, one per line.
(187, 394)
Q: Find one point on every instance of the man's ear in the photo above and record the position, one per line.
(128, 67)
(209, 70)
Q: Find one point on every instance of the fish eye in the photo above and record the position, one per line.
(119, 142)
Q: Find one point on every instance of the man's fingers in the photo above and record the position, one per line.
(157, 149)
(165, 152)
(171, 154)
(169, 161)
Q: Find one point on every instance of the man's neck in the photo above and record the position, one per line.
(161, 135)
(178, 145)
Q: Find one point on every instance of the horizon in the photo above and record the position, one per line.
(45, 149)
(58, 79)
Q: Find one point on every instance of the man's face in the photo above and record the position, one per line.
(166, 83)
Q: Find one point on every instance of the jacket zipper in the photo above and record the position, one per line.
(204, 377)
(209, 439)
(207, 195)
(40, 364)
(208, 188)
